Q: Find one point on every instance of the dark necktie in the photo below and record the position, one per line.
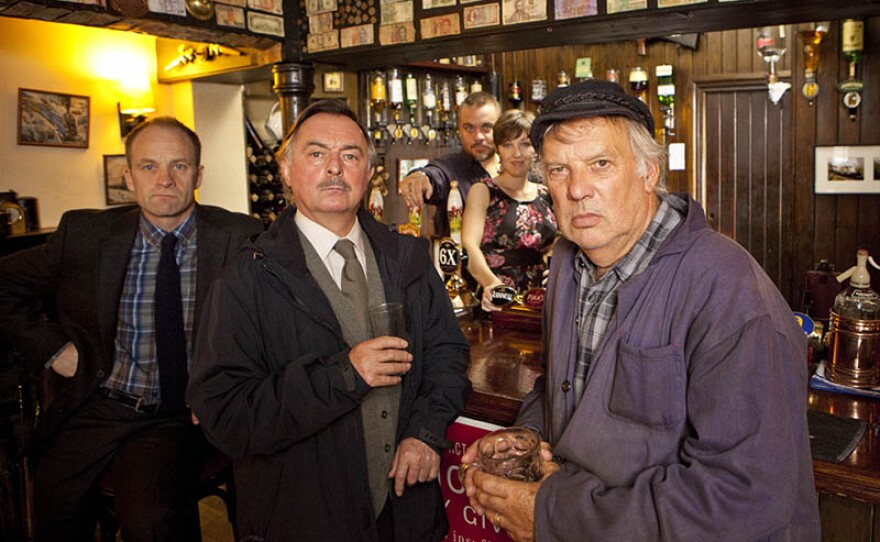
(354, 283)
(170, 335)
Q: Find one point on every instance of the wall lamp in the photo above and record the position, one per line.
(135, 102)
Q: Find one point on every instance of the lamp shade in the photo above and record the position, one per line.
(136, 96)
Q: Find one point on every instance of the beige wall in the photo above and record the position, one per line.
(89, 62)
(75, 60)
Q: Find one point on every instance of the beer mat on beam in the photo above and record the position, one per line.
(833, 438)
(820, 382)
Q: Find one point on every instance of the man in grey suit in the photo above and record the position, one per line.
(86, 307)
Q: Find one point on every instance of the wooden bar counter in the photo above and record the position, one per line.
(857, 476)
(505, 361)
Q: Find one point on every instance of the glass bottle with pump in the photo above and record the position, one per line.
(858, 301)
(853, 339)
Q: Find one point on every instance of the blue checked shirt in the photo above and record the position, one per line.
(597, 298)
(135, 370)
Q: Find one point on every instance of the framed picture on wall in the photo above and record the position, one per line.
(333, 82)
(52, 119)
(852, 169)
(115, 191)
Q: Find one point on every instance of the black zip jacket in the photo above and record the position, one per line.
(273, 388)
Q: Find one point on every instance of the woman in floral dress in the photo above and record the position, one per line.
(508, 224)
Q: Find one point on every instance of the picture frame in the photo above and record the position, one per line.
(847, 169)
(115, 190)
(53, 119)
(405, 165)
(333, 82)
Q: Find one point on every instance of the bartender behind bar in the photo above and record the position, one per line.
(674, 392)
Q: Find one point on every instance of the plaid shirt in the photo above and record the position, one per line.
(135, 369)
(597, 298)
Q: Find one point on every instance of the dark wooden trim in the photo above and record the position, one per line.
(650, 23)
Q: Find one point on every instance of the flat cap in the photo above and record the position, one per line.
(591, 98)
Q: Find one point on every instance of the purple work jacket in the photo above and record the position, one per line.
(692, 425)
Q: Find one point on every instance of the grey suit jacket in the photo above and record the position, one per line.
(68, 290)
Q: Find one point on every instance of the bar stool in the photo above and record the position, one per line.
(214, 480)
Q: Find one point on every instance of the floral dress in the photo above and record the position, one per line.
(516, 236)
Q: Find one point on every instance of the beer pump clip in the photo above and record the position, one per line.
(452, 257)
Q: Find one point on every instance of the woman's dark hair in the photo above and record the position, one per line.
(512, 124)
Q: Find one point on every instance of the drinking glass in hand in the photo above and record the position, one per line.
(388, 319)
(513, 453)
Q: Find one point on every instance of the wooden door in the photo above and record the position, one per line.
(744, 168)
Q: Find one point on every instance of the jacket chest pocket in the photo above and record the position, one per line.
(649, 385)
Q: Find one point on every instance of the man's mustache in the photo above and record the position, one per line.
(335, 182)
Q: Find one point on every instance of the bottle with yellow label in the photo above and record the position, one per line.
(454, 209)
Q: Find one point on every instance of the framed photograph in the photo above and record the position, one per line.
(115, 191)
(52, 119)
(405, 165)
(333, 81)
(853, 169)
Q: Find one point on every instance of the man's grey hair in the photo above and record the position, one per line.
(643, 145)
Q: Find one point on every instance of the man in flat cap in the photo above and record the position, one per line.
(673, 397)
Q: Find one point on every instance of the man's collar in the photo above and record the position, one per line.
(323, 239)
(185, 231)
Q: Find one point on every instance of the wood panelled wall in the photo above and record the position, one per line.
(815, 226)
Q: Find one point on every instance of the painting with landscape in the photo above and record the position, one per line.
(52, 119)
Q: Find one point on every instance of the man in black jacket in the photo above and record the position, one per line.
(336, 434)
(83, 306)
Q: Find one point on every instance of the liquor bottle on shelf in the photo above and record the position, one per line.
(377, 104)
(395, 93)
(770, 43)
(429, 99)
(411, 100)
(514, 93)
(476, 86)
(539, 90)
(461, 91)
(812, 38)
(562, 79)
(852, 35)
(612, 75)
(411, 95)
(429, 106)
(638, 82)
(666, 97)
(445, 108)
